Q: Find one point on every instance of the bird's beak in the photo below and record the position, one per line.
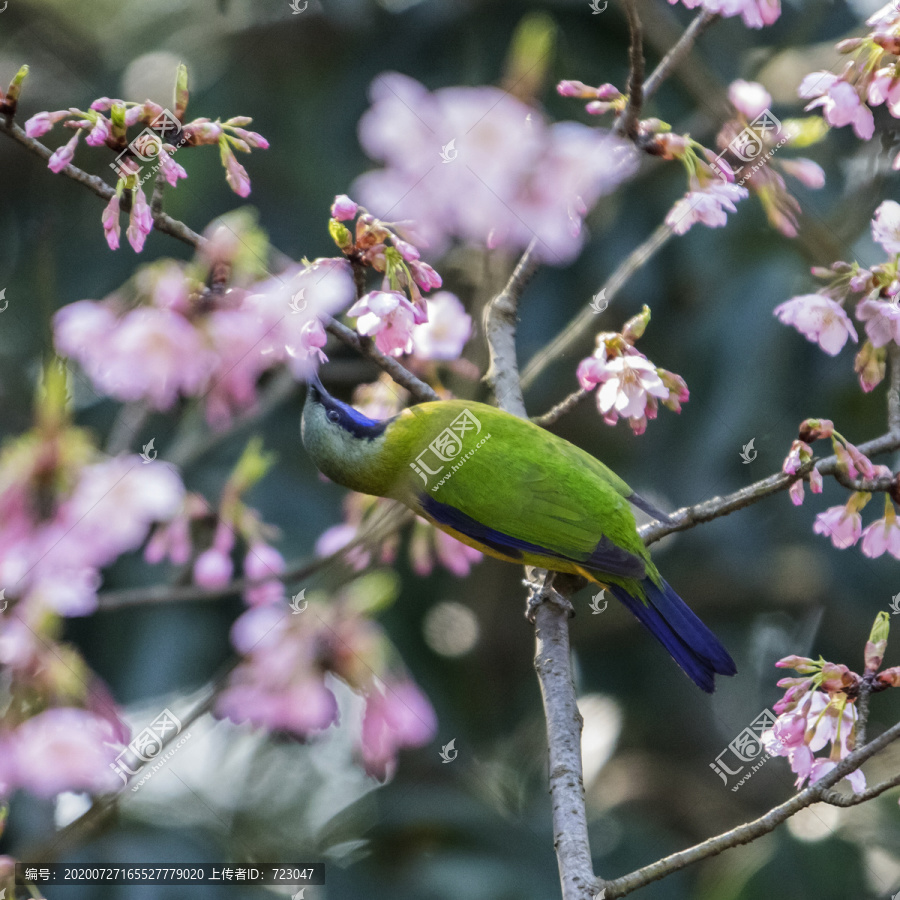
(316, 388)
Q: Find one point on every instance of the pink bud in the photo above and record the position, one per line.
(343, 209)
(63, 156)
(212, 569)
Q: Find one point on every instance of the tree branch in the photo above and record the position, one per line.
(558, 411)
(552, 657)
(714, 508)
(743, 834)
(579, 327)
(893, 396)
(628, 123)
(161, 221)
(394, 518)
(500, 317)
(676, 56)
(421, 391)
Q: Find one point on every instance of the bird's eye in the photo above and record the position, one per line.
(334, 415)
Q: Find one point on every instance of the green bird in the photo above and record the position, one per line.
(516, 492)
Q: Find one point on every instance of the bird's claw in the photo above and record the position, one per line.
(541, 591)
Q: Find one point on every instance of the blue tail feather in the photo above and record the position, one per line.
(692, 645)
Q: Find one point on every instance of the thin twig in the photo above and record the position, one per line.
(582, 324)
(394, 519)
(161, 221)
(421, 391)
(674, 58)
(689, 516)
(743, 834)
(628, 123)
(558, 411)
(500, 317)
(893, 397)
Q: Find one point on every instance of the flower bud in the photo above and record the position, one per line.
(877, 643)
(636, 325)
(813, 429)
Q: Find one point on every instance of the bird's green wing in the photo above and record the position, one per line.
(517, 485)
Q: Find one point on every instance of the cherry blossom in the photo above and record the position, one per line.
(843, 524)
(705, 204)
(819, 319)
(445, 333)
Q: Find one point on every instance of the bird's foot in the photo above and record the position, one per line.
(542, 591)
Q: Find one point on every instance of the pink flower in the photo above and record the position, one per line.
(705, 204)
(343, 209)
(445, 333)
(262, 561)
(60, 158)
(882, 321)
(389, 316)
(213, 569)
(140, 222)
(840, 102)
(312, 339)
(755, 13)
(497, 172)
(235, 174)
(64, 749)
(819, 319)
(400, 717)
(842, 524)
(630, 383)
(883, 534)
(110, 219)
(427, 543)
(336, 538)
(749, 98)
(97, 136)
(805, 171)
(886, 226)
(40, 123)
(885, 88)
(170, 169)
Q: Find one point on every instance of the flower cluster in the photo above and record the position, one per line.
(631, 385)
(479, 165)
(177, 330)
(843, 524)
(870, 78)
(283, 681)
(821, 317)
(219, 531)
(66, 512)
(749, 143)
(163, 133)
(755, 13)
(393, 314)
(820, 708)
(710, 195)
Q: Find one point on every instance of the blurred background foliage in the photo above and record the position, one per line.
(480, 827)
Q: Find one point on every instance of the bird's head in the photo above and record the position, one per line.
(344, 444)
